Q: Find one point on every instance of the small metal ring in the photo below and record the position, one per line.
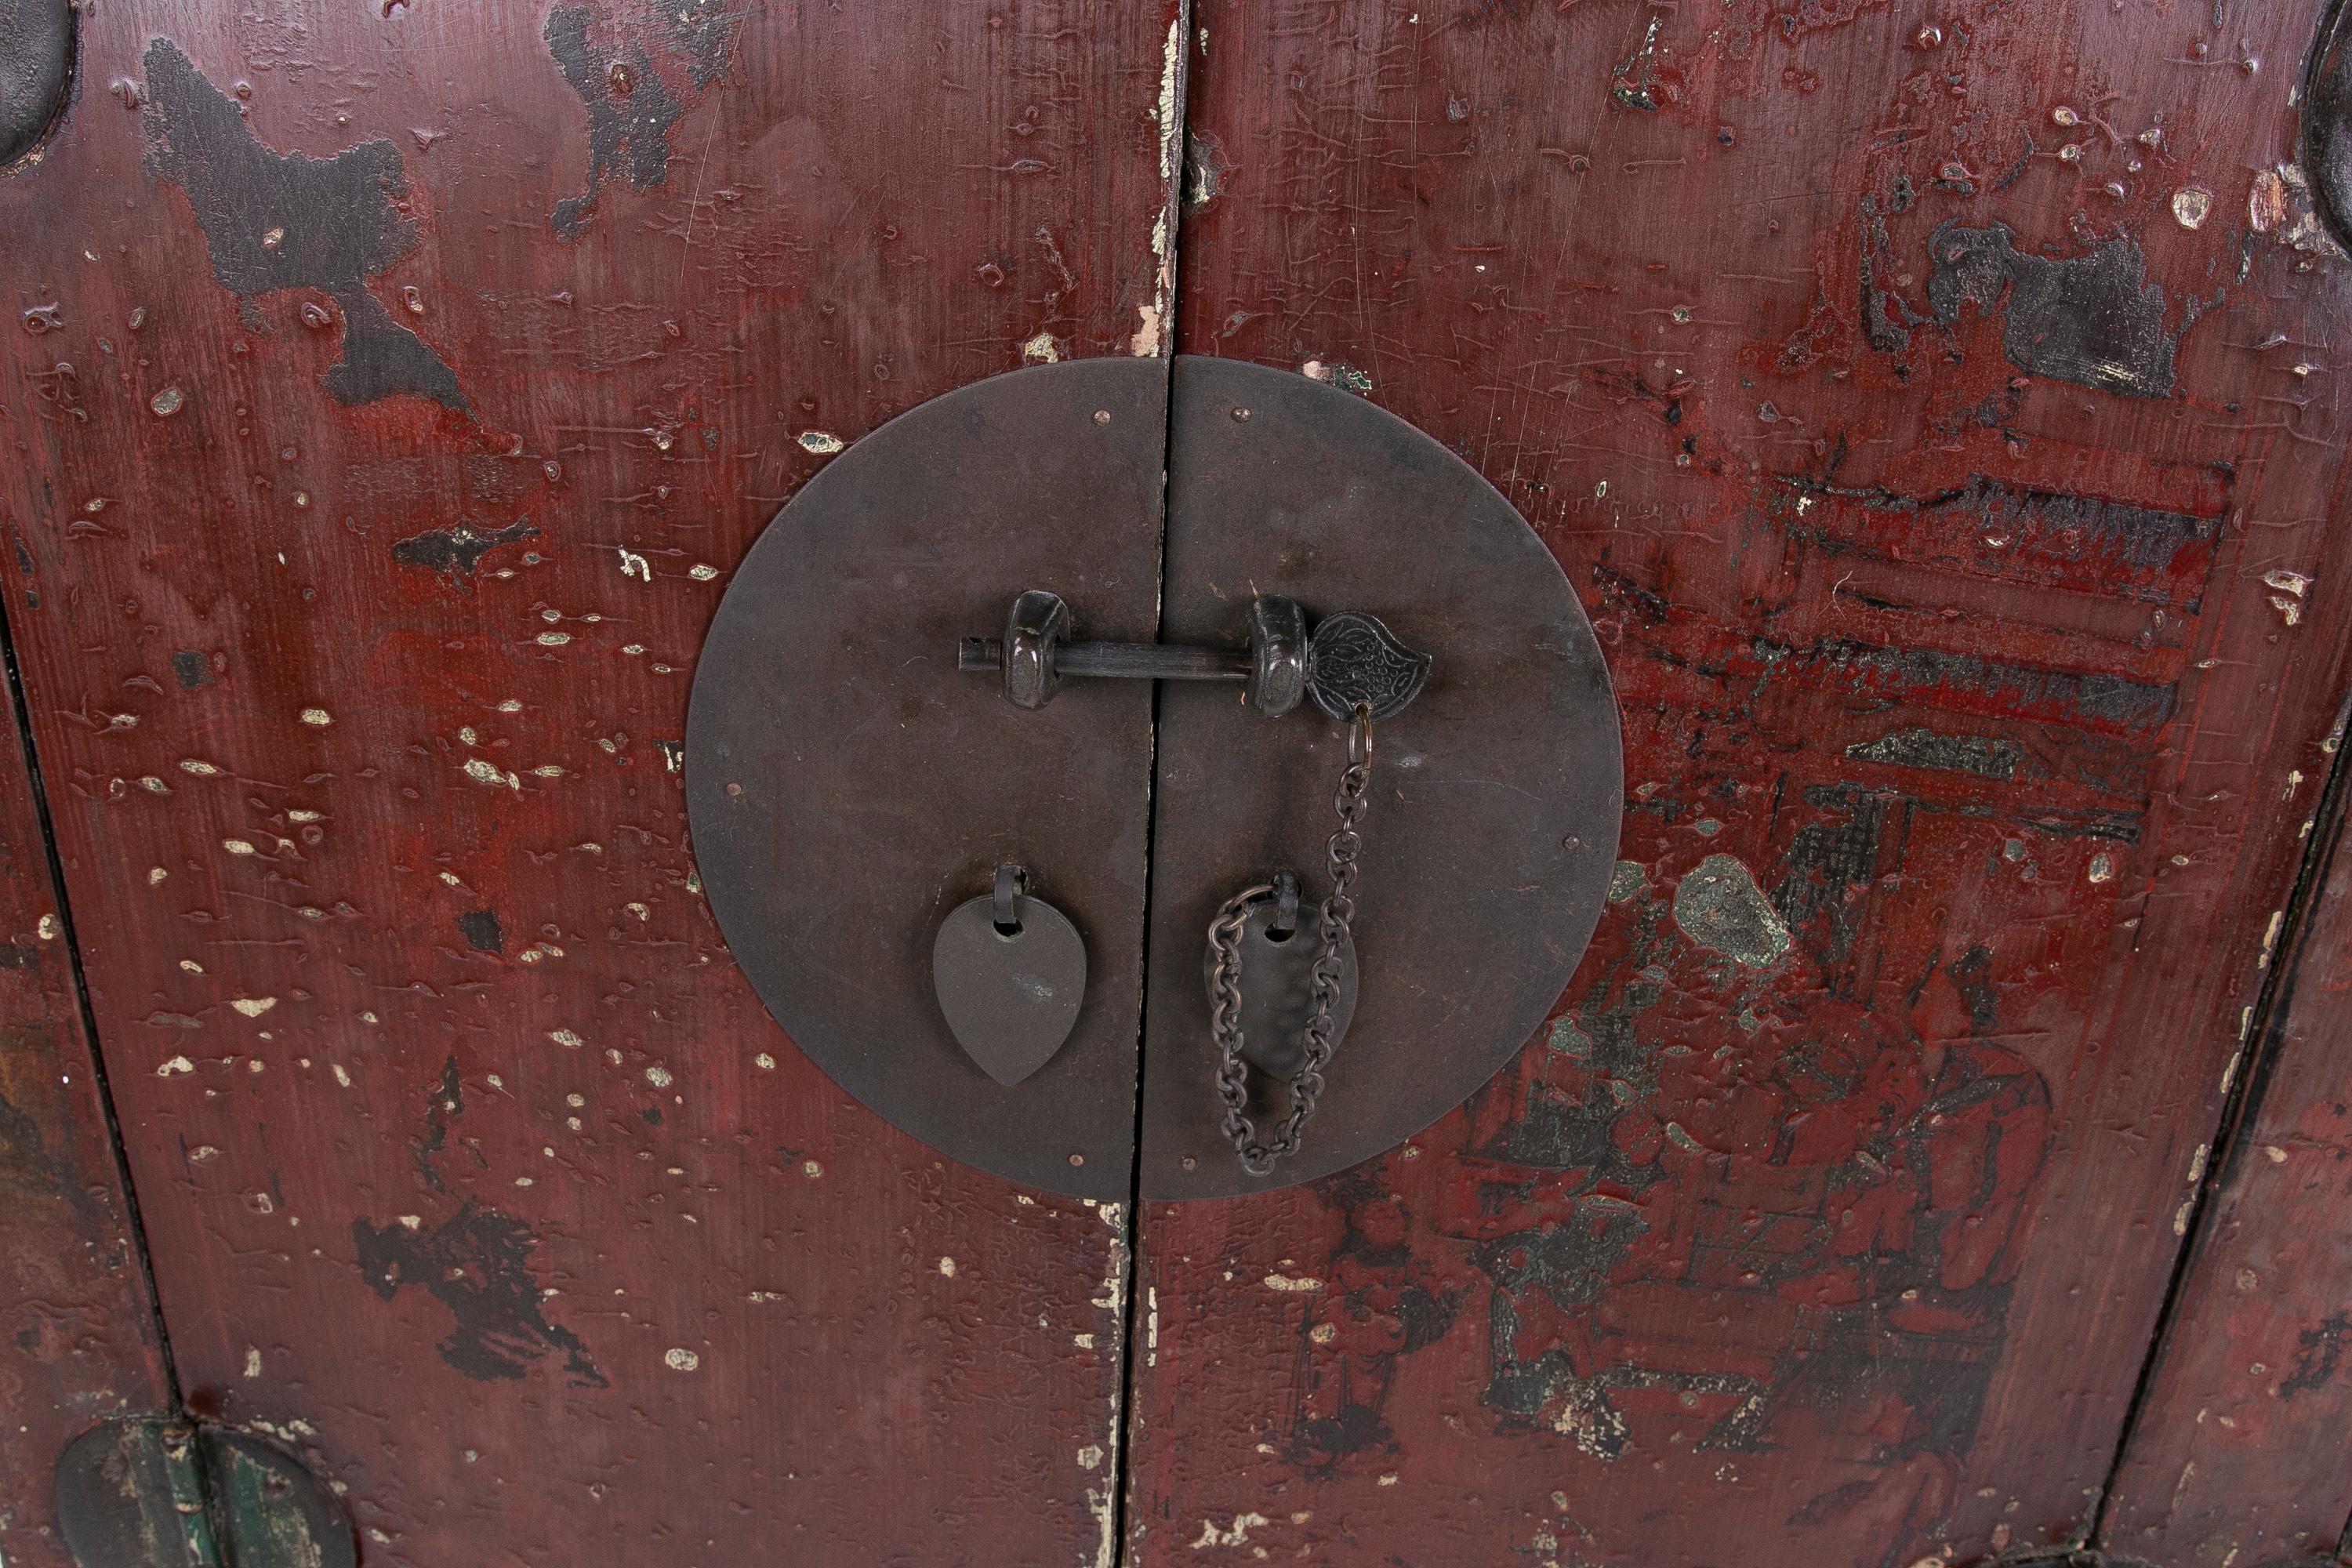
(1359, 737)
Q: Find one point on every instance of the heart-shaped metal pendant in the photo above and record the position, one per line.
(1011, 970)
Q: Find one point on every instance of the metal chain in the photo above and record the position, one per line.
(1338, 916)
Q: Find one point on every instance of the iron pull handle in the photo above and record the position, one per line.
(1351, 661)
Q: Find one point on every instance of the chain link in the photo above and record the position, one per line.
(1334, 923)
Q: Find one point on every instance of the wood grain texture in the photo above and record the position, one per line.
(1936, 413)
(78, 1334)
(2237, 1455)
(397, 383)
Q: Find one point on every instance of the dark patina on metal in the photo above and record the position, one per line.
(1011, 972)
(155, 1492)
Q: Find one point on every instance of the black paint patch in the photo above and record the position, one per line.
(442, 1101)
(2318, 1348)
(2093, 319)
(630, 114)
(482, 932)
(1985, 756)
(456, 551)
(476, 1264)
(1933, 675)
(191, 670)
(36, 58)
(285, 220)
(702, 29)
(1830, 864)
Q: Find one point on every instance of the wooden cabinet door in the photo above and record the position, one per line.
(396, 386)
(1937, 408)
(1934, 409)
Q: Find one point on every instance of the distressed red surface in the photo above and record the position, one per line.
(536, 1231)
(1954, 652)
(2238, 1455)
(77, 1336)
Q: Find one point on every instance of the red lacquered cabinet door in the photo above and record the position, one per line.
(1934, 406)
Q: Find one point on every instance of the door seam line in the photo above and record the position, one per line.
(134, 1218)
(1176, 85)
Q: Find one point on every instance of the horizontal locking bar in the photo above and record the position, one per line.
(1120, 660)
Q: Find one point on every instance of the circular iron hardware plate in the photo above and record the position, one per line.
(848, 786)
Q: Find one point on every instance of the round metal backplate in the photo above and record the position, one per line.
(848, 786)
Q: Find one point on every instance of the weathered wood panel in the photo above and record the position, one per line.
(396, 386)
(1937, 410)
(78, 1337)
(2237, 1456)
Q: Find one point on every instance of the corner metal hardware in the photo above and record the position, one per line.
(155, 1492)
(1351, 661)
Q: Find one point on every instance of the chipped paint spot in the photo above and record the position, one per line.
(566, 1038)
(2102, 868)
(177, 1064)
(191, 764)
(2270, 938)
(46, 928)
(1627, 880)
(1041, 350)
(702, 573)
(1718, 906)
(483, 771)
(1090, 1456)
(680, 1359)
(764, 1062)
(947, 1267)
(318, 716)
(253, 1006)
(824, 443)
(2191, 205)
(1235, 1535)
(1285, 1282)
(658, 1077)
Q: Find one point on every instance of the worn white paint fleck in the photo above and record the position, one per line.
(236, 846)
(1285, 1282)
(46, 928)
(1041, 349)
(318, 716)
(253, 1006)
(2270, 938)
(1090, 1456)
(680, 1359)
(824, 443)
(252, 1360)
(177, 1064)
(2196, 1164)
(2191, 205)
(2102, 868)
(190, 764)
(192, 966)
(702, 571)
(947, 1267)
(297, 814)
(481, 770)
(764, 1062)
(342, 1076)
(2287, 581)
(635, 565)
(1234, 1534)
(566, 1038)
(658, 1077)
(811, 1169)
(553, 639)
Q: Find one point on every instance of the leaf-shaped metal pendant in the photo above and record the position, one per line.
(1010, 998)
(1352, 659)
